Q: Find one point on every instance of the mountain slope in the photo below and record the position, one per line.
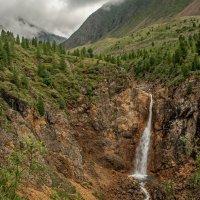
(77, 120)
(192, 9)
(44, 36)
(40, 33)
(24, 28)
(118, 20)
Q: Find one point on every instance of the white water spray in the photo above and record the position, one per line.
(142, 152)
(143, 148)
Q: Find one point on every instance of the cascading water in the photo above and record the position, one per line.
(143, 148)
(142, 153)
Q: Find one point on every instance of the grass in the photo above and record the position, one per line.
(143, 38)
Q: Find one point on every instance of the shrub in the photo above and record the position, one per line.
(25, 82)
(20, 165)
(196, 176)
(168, 187)
(189, 89)
(61, 103)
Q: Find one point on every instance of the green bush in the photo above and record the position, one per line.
(189, 89)
(61, 103)
(168, 187)
(196, 176)
(25, 82)
(19, 166)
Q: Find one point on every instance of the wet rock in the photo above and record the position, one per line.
(15, 103)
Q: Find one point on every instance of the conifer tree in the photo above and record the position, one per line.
(40, 106)
(63, 64)
(54, 46)
(196, 63)
(83, 52)
(198, 44)
(90, 52)
(42, 71)
(25, 82)
(7, 52)
(18, 40)
(16, 78)
(23, 43)
(44, 47)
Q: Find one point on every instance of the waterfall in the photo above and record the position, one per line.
(141, 161)
(143, 148)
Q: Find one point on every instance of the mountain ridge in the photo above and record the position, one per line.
(121, 19)
(31, 30)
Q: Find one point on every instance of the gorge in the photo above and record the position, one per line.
(115, 119)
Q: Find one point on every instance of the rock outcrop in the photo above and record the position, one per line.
(176, 136)
(94, 145)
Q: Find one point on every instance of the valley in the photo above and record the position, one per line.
(80, 123)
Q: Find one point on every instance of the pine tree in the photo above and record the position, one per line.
(113, 60)
(83, 52)
(42, 71)
(38, 53)
(118, 61)
(25, 82)
(177, 57)
(18, 40)
(63, 64)
(185, 70)
(196, 63)
(16, 78)
(183, 46)
(23, 43)
(40, 106)
(54, 46)
(76, 53)
(198, 44)
(34, 42)
(61, 103)
(26, 43)
(90, 52)
(44, 47)
(8, 51)
(61, 49)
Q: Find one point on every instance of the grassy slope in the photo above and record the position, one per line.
(120, 20)
(141, 39)
(155, 11)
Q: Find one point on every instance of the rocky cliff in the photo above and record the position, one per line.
(176, 137)
(94, 145)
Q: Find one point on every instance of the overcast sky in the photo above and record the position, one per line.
(61, 17)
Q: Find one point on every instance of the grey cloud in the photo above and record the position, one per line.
(61, 17)
(107, 5)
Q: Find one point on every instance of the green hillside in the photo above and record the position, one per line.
(41, 77)
(150, 52)
(119, 20)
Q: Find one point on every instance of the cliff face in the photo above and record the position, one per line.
(94, 145)
(175, 138)
(87, 146)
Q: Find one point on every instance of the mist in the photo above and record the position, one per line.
(61, 17)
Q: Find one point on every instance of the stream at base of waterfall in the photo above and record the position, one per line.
(142, 151)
